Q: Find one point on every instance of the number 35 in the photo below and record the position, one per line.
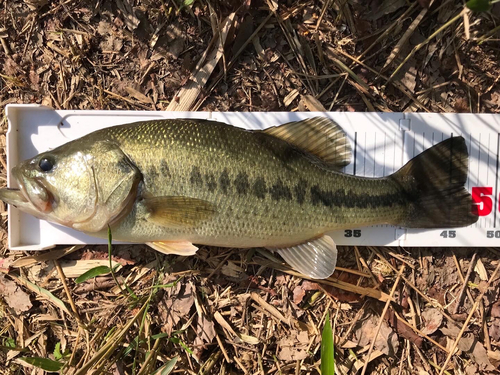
(352, 233)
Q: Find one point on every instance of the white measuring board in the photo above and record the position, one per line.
(381, 143)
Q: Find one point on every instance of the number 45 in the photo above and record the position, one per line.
(448, 234)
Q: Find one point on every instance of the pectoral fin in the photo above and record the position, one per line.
(316, 258)
(178, 211)
(184, 248)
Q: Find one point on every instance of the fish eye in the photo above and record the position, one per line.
(46, 164)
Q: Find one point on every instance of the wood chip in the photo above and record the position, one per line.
(243, 337)
(481, 270)
(290, 97)
(312, 104)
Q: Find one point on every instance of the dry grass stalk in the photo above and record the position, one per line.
(469, 317)
(44, 257)
(381, 320)
(464, 283)
(109, 348)
(420, 45)
(406, 36)
(186, 97)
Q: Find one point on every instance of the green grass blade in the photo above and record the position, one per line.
(167, 367)
(43, 363)
(479, 5)
(43, 292)
(92, 273)
(327, 353)
(57, 351)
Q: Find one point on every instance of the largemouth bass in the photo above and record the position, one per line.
(172, 183)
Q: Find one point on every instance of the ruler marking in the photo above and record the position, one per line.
(478, 224)
(478, 157)
(364, 159)
(394, 155)
(496, 185)
(488, 161)
(385, 153)
(488, 169)
(355, 152)
(414, 146)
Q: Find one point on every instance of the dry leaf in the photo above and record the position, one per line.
(232, 270)
(432, 321)
(176, 304)
(358, 365)
(494, 330)
(494, 356)
(386, 341)
(14, 296)
(293, 347)
(298, 294)
(172, 42)
(36, 4)
(244, 32)
(131, 20)
(299, 291)
(402, 329)
(387, 7)
(205, 333)
(5, 264)
(469, 344)
(495, 310)
(138, 95)
(476, 350)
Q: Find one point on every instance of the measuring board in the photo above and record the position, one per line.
(381, 142)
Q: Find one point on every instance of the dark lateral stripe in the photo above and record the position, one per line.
(211, 182)
(196, 178)
(340, 198)
(300, 191)
(279, 191)
(224, 181)
(259, 187)
(241, 183)
(164, 170)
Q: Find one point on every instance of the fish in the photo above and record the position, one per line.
(179, 182)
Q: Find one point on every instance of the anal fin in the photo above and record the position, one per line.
(315, 258)
(184, 248)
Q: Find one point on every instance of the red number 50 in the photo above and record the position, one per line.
(482, 204)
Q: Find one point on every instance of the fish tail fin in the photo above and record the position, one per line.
(434, 182)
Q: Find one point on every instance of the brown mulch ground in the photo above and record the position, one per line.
(226, 311)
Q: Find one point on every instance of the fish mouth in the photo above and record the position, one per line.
(31, 190)
(12, 196)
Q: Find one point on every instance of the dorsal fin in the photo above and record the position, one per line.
(319, 136)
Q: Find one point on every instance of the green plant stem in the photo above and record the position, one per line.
(110, 247)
